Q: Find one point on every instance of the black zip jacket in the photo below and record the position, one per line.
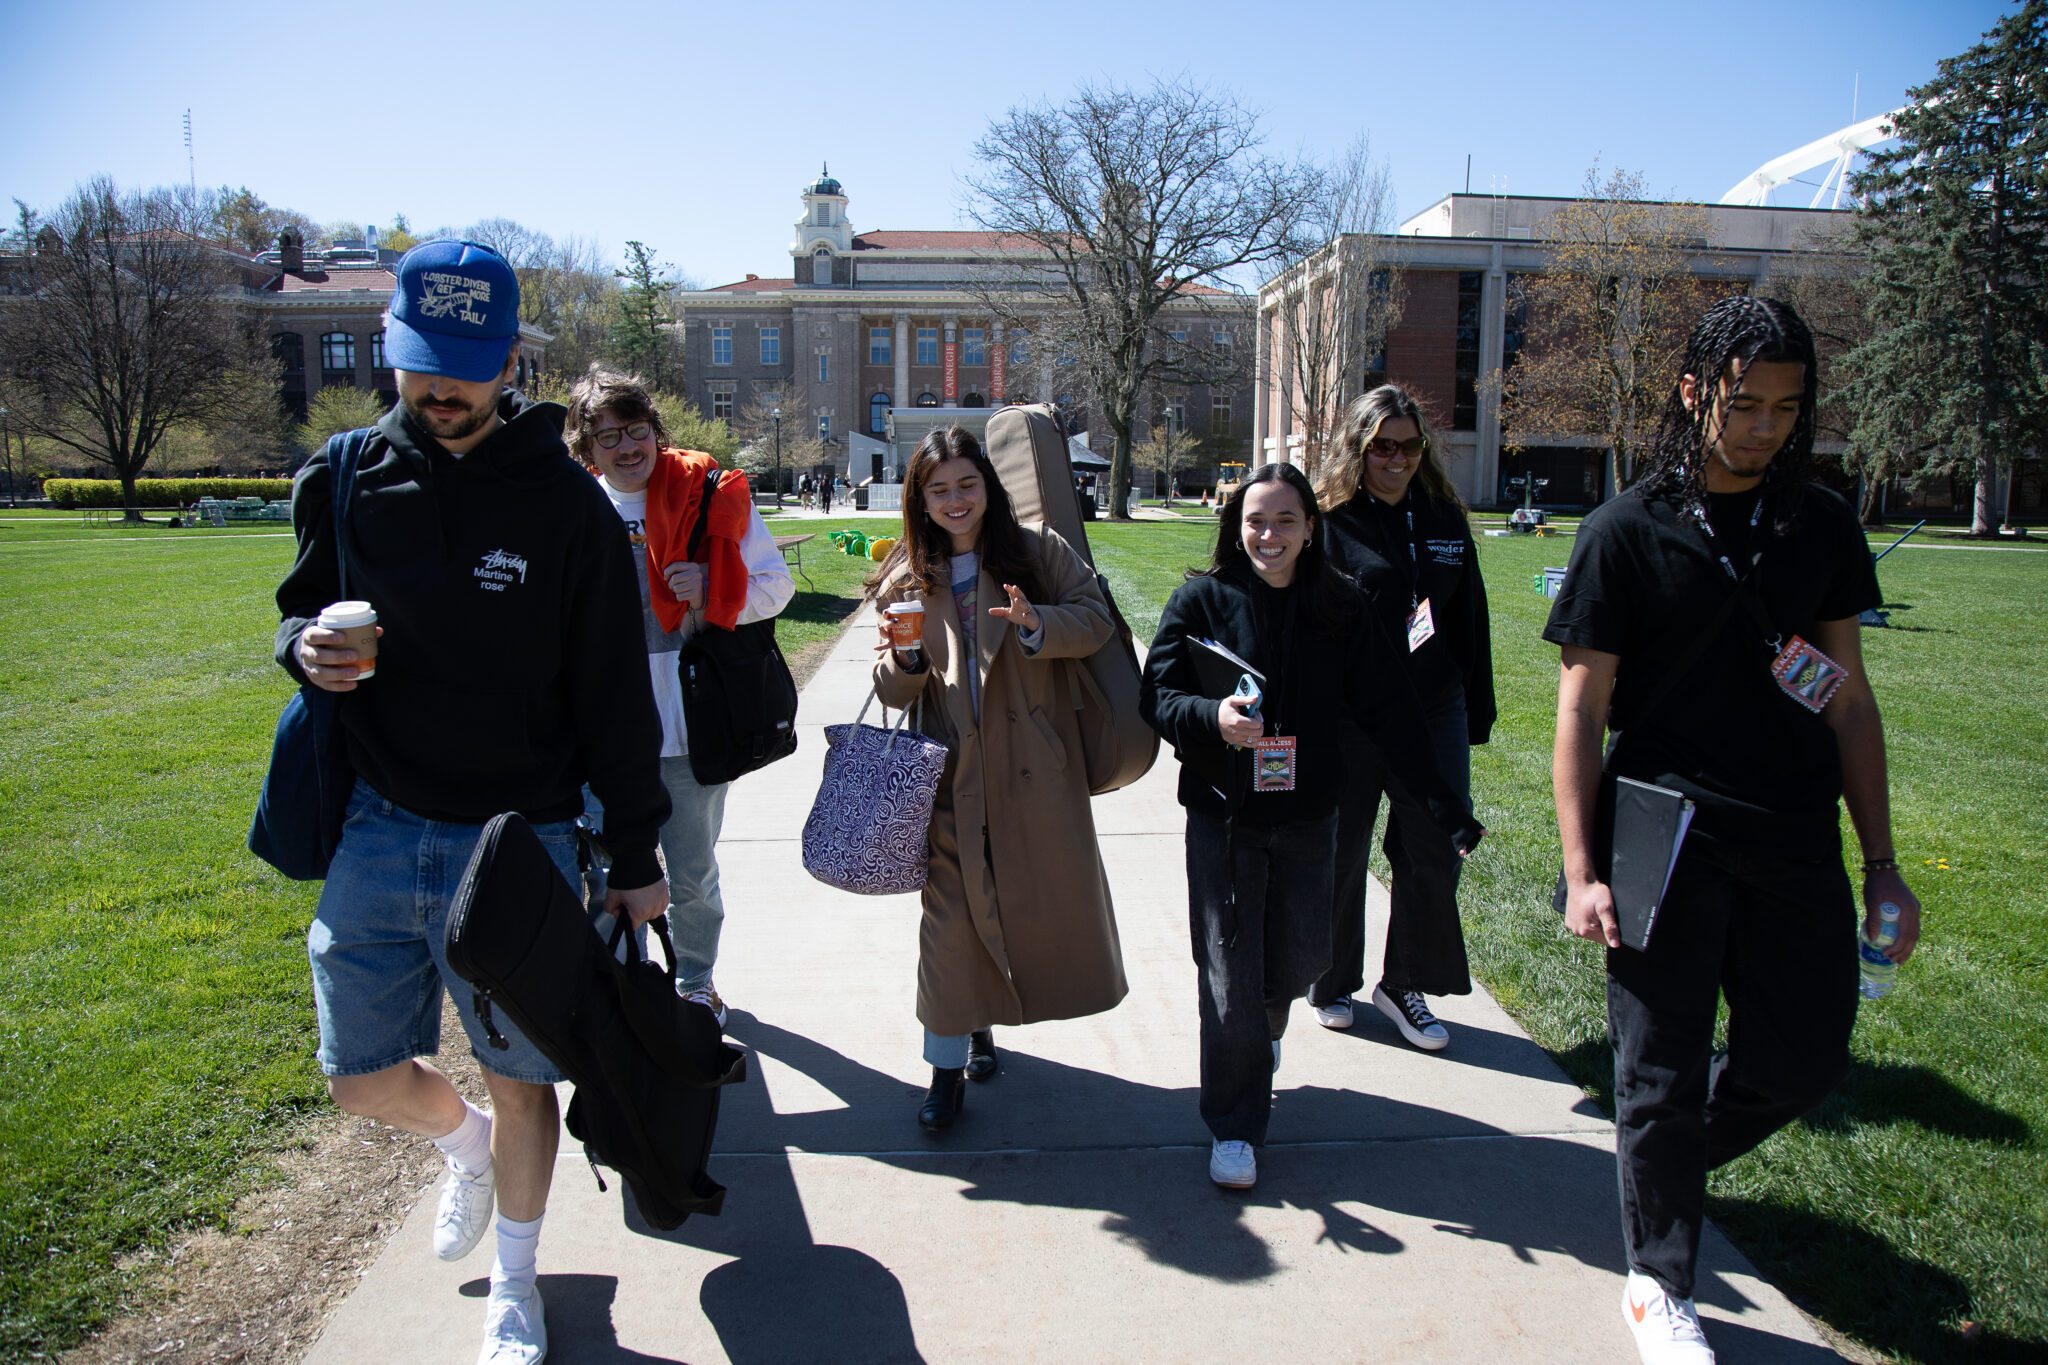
(513, 667)
(1372, 542)
(1314, 680)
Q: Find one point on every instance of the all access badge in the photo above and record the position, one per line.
(1420, 625)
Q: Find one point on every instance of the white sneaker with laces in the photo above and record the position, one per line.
(707, 996)
(1333, 1013)
(515, 1325)
(1410, 1013)
(464, 1215)
(1232, 1165)
(1667, 1330)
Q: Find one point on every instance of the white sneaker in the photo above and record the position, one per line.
(1334, 1014)
(1232, 1165)
(707, 996)
(465, 1212)
(1276, 1056)
(1667, 1330)
(1410, 1013)
(515, 1325)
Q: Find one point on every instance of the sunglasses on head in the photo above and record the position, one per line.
(633, 431)
(1386, 448)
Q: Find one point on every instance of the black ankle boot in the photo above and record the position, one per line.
(981, 1055)
(943, 1101)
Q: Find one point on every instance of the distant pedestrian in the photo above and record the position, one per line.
(1683, 591)
(1260, 777)
(1017, 921)
(511, 671)
(825, 494)
(615, 429)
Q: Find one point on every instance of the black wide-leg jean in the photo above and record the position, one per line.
(1425, 940)
(1259, 921)
(1777, 936)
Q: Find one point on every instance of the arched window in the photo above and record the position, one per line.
(821, 267)
(878, 414)
(927, 400)
(973, 400)
(289, 350)
(338, 353)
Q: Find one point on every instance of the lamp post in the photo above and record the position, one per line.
(777, 416)
(7, 450)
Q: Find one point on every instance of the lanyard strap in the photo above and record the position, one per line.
(1706, 526)
(1746, 584)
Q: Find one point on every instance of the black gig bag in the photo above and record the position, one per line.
(647, 1065)
(739, 697)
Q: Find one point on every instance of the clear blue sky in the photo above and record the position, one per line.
(692, 127)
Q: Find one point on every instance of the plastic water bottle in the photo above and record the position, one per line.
(1879, 971)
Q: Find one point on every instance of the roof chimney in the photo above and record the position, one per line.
(291, 251)
(753, 277)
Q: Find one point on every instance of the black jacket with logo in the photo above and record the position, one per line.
(1373, 543)
(512, 667)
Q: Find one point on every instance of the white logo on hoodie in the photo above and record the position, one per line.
(499, 569)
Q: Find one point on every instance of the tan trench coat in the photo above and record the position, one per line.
(1017, 919)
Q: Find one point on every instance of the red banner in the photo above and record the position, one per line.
(951, 370)
(998, 359)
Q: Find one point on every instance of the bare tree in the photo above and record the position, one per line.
(131, 325)
(1830, 287)
(1608, 317)
(1338, 298)
(767, 445)
(1169, 447)
(1133, 202)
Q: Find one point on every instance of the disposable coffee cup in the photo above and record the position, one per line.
(357, 622)
(906, 626)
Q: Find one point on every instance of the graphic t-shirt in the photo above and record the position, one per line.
(1645, 579)
(664, 648)
(964, 574)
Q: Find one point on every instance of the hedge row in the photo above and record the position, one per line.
(72, 493)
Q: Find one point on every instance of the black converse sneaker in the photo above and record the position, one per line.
(1410, 1013)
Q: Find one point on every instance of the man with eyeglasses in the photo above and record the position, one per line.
(658, 492)
(507, 677)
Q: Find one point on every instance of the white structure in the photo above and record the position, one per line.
(1840, 148)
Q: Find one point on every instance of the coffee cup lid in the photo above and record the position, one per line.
(905, 607)
(344, 614)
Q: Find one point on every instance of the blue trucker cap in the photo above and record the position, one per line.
(455, 311)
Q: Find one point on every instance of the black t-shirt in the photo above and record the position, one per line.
(1644, 580)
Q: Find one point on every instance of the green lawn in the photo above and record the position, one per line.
(156, 1031)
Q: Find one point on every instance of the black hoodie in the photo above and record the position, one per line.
(512, 667)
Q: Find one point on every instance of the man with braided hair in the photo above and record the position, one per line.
(1758, 908)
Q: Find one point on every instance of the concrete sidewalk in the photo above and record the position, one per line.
(1411, 1207)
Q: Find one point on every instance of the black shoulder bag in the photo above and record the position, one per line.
(739, 699)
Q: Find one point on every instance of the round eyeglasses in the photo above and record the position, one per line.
(610, 437)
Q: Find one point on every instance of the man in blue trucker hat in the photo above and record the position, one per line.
(511, 671)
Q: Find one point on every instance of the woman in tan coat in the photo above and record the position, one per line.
(1017, 919)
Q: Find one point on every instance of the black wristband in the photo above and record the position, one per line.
(1871, 865)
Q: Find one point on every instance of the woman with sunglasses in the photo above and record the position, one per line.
(1260, 777)
(1017, 924)
(1398, 527)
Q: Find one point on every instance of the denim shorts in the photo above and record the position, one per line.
(377, 947)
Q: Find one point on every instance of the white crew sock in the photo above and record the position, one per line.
(469, 1146)
(516, 1244)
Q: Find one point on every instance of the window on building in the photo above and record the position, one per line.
(1176, 416)
(1020, 346)
(378, 361)
(973, 400)
(878, 345)
(1224, 341)
(927, 400)
(1465, 393)
(721, 405)
(824, 369)
(1516, 331)
(821, 267)
(824, 428)
(771, 345)
(289, 350)
(975, 347)
(1219, 414)
(721, 345)
(338, 353)
(927, 345)
(1175, 341)
(878, 414)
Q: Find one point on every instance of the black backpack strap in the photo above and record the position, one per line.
(346, 461)
(696, 551)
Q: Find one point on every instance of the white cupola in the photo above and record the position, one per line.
(823, 233)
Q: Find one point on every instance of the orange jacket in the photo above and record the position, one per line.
(673, 495)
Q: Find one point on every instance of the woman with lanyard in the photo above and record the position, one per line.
(1017, 919)
(1260, 774)
(1398, 527)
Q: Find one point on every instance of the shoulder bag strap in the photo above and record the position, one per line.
(696, 549)
(1686, 659)
(347, 459)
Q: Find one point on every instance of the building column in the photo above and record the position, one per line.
(901, 396)
(949, 361)
(998, 363)
(1493, 328)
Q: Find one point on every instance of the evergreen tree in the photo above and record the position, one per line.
(643, 308)
(1955, 219)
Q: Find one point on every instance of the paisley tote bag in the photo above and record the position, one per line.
(869, 830)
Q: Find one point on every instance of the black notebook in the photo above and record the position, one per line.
(1648, 826)
(1220, 670)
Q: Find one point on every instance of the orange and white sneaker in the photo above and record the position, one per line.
(1667, 1330)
